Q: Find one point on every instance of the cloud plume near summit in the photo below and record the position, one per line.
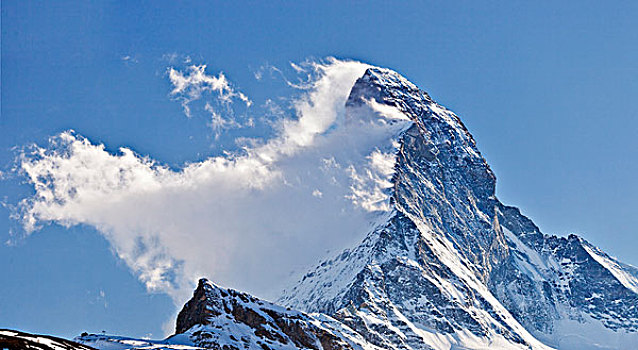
(244, 219)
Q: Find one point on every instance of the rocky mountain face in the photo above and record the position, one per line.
(447, 267)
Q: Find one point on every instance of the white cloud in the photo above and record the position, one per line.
(102, 299)
(190, 84)
(219, 123)
(304, 77)
(129, 59)
(369, 186)
(170, 58)
(226, 216)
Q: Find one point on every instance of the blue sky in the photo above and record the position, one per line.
(547, 90)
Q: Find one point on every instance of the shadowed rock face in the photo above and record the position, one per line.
(197, 310)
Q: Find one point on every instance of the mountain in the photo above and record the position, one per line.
(452, 264)
(446, 265)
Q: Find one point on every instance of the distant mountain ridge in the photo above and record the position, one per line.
(16, 340)
(447, 267)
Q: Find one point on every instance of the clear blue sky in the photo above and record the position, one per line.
(547, 89)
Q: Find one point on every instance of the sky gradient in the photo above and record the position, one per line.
(548, 91)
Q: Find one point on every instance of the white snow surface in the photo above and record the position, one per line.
(588, 334)
(113, 342)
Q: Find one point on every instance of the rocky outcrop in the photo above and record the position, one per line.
(220, 318)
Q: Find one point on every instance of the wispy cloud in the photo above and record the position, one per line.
(218, 122)
(304, 78)
(190, 84)
(129, 59)
(285, 200)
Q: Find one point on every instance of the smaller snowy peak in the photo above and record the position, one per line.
(222, 318)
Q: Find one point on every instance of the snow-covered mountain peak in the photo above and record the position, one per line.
(379, 82)
(449, 257)
(440, 130)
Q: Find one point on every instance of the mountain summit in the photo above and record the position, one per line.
(447, 266)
